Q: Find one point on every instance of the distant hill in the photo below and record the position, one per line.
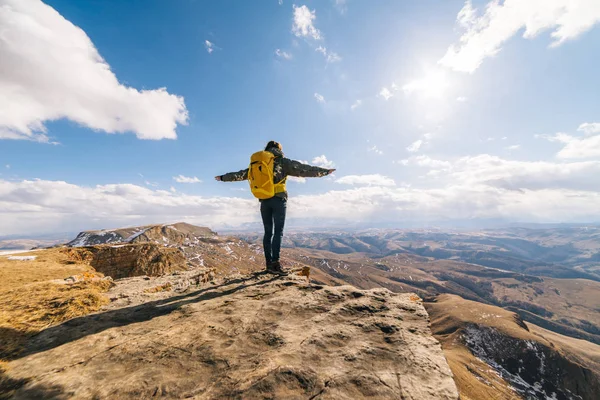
(27, 244)
(200, 246)
(168, 234)
(568, 252)
(525, 359)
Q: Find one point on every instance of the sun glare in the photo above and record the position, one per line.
(434, 85)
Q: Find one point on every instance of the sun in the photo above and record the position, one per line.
(433, 85)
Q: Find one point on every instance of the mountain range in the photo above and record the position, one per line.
(514, 309)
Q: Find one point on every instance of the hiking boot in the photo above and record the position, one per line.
(275, 268)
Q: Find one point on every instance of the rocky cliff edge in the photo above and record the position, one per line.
(249, 337)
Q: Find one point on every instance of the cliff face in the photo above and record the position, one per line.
(161, 247)
(251, 337)
(134, 260)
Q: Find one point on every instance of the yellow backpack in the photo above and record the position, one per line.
(260, 175)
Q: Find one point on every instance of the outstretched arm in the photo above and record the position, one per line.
(296, 168)
(233, 176)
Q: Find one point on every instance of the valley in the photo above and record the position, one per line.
(561, 252)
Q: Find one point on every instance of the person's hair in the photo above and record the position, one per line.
(273, 144)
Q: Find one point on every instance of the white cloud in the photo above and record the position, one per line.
(461, 99)
(7, 166)
(304, 23)
(476, 187)
(322, 161)
(415, 146)
(485, 34)
(333, 57)
(46, 206)
(375, 150)
(588, 147)
(578, 147)
(283, 54)
(496, 172)
(319, 98)
(426, 161)
(330, 56)
(341, 6)
(513, 147)
(589, 128)
(399, 204)
(386, 93)
(296, 179)
(356, 104)
(280, 2)
(186, 179)
(366, 180)
(209, 46)
(51, 70)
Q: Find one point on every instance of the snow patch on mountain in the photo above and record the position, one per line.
(522, 364)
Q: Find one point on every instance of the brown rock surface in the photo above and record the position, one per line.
(253, 337)
(201, 247)
(124, 261)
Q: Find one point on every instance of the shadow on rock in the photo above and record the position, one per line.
(12, 342)
(81, 327)
(8, 387)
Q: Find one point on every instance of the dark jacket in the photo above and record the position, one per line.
(282, 168)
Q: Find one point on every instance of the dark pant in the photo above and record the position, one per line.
(273, 214)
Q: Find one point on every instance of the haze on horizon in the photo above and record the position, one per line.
(115, 115)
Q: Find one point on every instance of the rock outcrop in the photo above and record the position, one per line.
(124, 261)
(138, 259)
(201, 247)
(251, 337)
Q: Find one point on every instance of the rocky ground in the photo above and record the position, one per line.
(248, 337)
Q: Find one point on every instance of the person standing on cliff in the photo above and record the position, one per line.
(267, 174)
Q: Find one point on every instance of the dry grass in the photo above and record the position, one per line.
(580, 351)
(49, 264)
(30, 309)
(474, 378)
(29, 302)
(40, 305)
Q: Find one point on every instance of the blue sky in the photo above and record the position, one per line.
(429, 110)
